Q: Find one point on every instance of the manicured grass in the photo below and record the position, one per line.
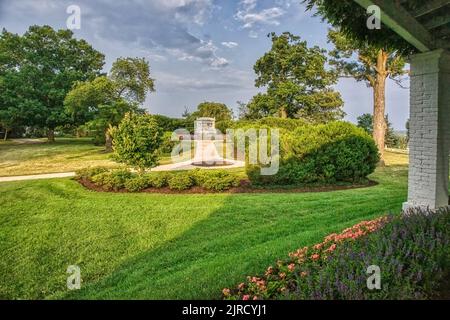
(36, 156)
(165, 246)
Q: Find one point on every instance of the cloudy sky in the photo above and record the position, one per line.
(199, 50)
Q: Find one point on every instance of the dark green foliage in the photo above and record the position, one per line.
(138, 183)
(180, 181)
(172, 124)
(37, 70)
(112, 180)
(215, 180)
(270, 122)
(330, 153)
(159, 180)
(351, 18)
(392, 139)
(167, 144)
(216, 110)
(136, 141)
(298, 83)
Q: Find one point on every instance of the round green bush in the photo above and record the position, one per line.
(158, 180)
(136, 141)
(112, 180)
(326, 153)
(215, 180)
(180, 181)
(138, 183)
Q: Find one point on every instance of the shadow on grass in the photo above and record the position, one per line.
(243, 237)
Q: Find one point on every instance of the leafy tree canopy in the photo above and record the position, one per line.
(38, 69)
(216, 110)
(363, 67)
(351, 18)
(132, 78)
(297, 80)
(137, 140)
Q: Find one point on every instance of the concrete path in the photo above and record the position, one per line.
(38, 176)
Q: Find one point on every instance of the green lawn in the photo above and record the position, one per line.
(165, 246)
(35, 156)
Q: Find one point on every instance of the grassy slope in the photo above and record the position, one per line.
(24, 157)
(165, 246)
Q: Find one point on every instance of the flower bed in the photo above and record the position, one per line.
(412, 252)
(124, 180)
(193, 181)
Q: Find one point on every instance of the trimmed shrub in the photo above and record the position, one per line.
(412, 253)
(138, 183)
(215, 180)
(327, 153)
(158, 180)
(112, 180)
(88, 173)
(167, 144)
(136, 141)
(180, 181)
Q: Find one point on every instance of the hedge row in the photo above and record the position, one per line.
(411, 254)
(327, 153)
(122, 179)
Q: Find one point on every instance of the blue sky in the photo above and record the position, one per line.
(199, 50)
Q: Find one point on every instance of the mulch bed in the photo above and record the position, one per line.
(244, 188)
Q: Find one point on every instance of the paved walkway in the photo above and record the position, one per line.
(38, 176)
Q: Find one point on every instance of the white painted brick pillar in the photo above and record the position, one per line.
(429, 130)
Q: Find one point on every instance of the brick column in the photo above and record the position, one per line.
(429, 130)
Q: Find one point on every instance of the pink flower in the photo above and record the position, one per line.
(315, 257)
(246, 297)
(241, 286)
(291, 267)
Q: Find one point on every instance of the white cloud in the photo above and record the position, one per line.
(230, 44)
(253, 34)
(250, 16)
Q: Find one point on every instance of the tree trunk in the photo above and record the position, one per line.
(379, 106)
(51, 135)
(283, 113)
(108, 141)
(6, 135)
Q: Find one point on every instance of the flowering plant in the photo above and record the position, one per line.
(411, 251)
(280, 279)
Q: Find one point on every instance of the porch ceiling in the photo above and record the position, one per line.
(424, 24)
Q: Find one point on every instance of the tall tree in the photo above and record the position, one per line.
(216, 110)
(38, 69)
(365, 121)
(373, 65)
(131, 77)
(298, 83)
(104, 101)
